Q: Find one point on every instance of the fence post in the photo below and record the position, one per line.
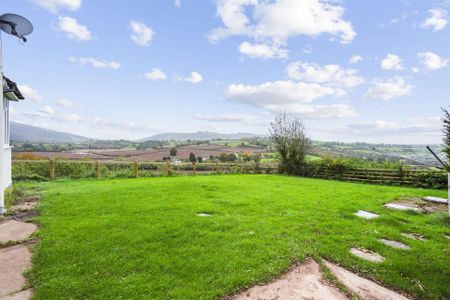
(217, 168)
(52, 169)
(136, 169)
(169, 171)
(97, 169)
(193, 168)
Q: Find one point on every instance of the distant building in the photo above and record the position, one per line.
(10, 93)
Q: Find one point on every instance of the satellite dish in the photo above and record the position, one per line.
(16, 25)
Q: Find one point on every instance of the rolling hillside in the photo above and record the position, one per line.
(31, 134)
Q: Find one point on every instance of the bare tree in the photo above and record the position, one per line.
(289, 139)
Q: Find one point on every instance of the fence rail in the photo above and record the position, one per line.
(52, 169)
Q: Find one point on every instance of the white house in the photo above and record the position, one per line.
(10, 93)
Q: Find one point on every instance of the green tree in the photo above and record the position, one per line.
(199, 159)
(173, 152)
(192, 158)
(288, 137)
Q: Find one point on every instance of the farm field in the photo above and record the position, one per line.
(146, 155)
(143, 238)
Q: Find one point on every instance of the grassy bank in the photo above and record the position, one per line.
(142, 238)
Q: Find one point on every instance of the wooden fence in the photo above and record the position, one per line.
(45, 169)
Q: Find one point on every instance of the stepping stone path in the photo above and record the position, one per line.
(395, 244)
(302, 282)
(15, 260)
(364, 288)
(12, 230)
(367, 255)
(366, 215)
(414, 236)
(435, 200)
(399, 206)
(204, 215)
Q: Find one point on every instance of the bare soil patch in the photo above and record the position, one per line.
(420, 205)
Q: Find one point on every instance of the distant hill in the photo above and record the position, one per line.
(199, 135)
(27, 133)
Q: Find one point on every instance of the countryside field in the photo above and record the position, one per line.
(142, 238)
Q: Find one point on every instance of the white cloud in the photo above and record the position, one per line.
(231, 117)
(64, 103)
(194, 78)
(47, 110)
(354, 59)
(177, 3)
(73, 29)
(414, 126)
(155, 74)
(386, 89)
(55, 5)
(281, 19)
(437, 19)
(391, 62)
(98, 64)
(72, 118)
(29, 93)
(264, 51)
(291, 97)
(332, 75)
(432, 61)
(141, 34)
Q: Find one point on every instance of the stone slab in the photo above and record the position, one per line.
(395, 244)
(22, 295)
(414, 236)
(399, 206)
(364, 288)
(14, 261)
(366, 215)
(204, 215)
(435, 199)
(12, 230)
(367, 255)
(302, 282)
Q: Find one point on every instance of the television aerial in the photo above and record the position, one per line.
(16, 25)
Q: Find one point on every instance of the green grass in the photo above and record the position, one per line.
(141, 238)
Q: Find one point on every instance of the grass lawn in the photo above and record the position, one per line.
(142, 238)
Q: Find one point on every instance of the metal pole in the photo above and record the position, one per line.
(2, 159)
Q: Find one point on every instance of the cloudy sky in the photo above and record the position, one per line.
(353, 70)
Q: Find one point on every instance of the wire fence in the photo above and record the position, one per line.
(54, 169)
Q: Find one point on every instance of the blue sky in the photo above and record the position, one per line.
(375, 71)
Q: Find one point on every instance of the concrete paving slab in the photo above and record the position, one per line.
(366, 215)
(204, 215)
(13, 261)
(363, 287)
(367, 255)
(395, 244)
(12, 230)
(399, 206)
(435, 199)
(414, 236)
(302, 282)
(22, 295)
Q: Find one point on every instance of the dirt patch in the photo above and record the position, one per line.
(367, 255)
(302, 282)
(364, 288)
(12, 230)
(26, 204)
(13, 261)
(421, 205)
